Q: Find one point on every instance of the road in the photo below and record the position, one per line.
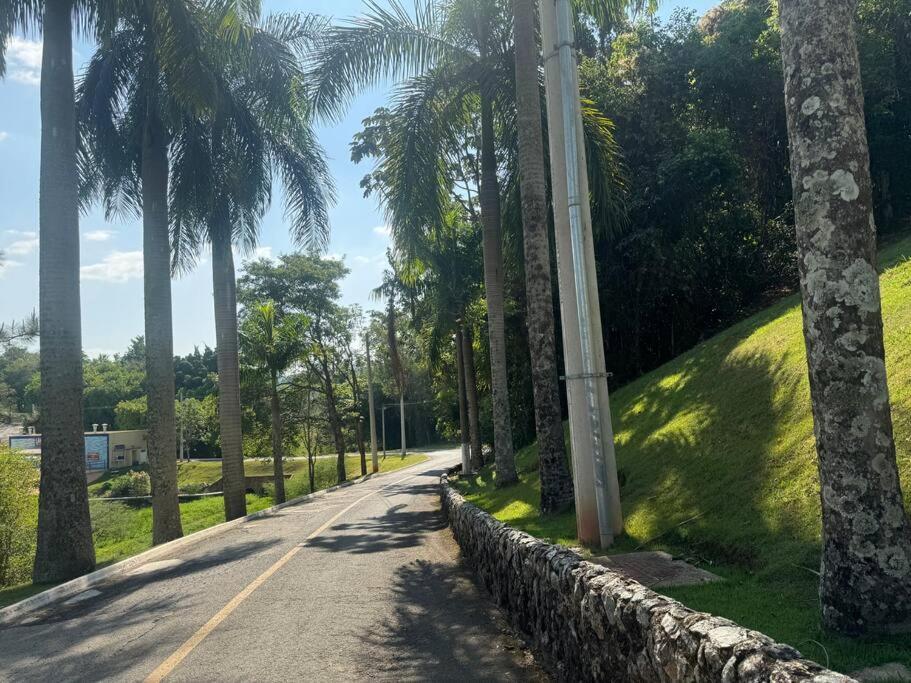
(363, 583)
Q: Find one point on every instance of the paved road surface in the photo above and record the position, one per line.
(363, 583)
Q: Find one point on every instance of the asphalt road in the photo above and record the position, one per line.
(363, 583)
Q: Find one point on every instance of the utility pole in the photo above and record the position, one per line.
(402, 415)
(598, 513)
(376, 463)
(181, 423)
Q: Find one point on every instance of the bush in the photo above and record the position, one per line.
(130, 484)
(18, 517)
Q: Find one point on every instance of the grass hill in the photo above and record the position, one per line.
(717, 458)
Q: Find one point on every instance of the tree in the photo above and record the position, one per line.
(556, 480)
(272, 343)
(222, 175)
(141, 81)
(64, 547)
(865, 581)
(455, 54)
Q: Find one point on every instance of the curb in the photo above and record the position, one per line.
(81, 583)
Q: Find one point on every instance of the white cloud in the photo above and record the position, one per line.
(383, 230)
(363, 260)
(99, 235)
(6, 264)
(24, 246)
(3, 135)
(118, 266)
(23, 58)
(263, 252)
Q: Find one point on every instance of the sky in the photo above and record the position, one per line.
(110, 252)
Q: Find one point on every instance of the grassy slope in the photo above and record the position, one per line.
(121, 530)
(717, 452)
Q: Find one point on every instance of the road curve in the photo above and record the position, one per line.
(363, 583)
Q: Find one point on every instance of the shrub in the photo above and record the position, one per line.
(130, 484)
(18, 517)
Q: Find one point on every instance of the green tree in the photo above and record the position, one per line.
(222, 174)
(271, 343)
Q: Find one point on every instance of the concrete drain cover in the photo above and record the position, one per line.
(85, 595)
(656, 569)
(152, 567)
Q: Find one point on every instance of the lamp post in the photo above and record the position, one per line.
(598, 514)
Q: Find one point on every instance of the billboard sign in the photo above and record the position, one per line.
(96, 448)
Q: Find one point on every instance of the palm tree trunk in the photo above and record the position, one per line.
(865, 582)
(335, 422)
(229, 413)
(156, 258)
(556, 480)
(65, 547)
(278, 455)
(463, 407)
(402, 417)
(504, 456)
(471, 394)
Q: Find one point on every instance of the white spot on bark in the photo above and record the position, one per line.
(844, 186)
(810, 105)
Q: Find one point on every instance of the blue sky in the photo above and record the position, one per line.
(111, 279)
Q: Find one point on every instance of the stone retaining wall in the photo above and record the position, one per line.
(588, 623)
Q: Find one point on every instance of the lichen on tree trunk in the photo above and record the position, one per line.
(865, 583)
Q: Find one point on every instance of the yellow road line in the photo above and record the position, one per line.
(171, 662)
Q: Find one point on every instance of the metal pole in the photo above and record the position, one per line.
(402, 416)
(384, 432)
(599, 516)
(181, 425)
(376, 464)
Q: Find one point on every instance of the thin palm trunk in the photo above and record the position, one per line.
(156, 257)
(402, 417)
(865, 581)
(65, 547)
(556, 480)
(335, 422)
(504, 456)
(229, 413)
(463, 407)
(471, 394)
(278, 455)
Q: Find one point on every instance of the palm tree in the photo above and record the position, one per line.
(272, 343)
(140, 81)
(456, 53)
(865, 580)
(222, 174)
(64, 547)
(392, 283)
(556, 479)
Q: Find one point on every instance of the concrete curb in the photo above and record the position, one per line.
(79, 584)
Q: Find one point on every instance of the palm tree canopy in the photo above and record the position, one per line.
(271, 341)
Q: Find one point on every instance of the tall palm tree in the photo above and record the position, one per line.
(455, 51)
(865, 580)
(272, 343)
(391, 285)
(222, 174)
(140, 81)
(64, 547)
(556, 479)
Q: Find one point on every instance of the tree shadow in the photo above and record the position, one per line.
(396, 528)
(440, 629)
(710, 456)
(85, 641)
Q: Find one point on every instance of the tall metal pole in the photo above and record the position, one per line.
(376, 463)
(402, 417)
(598, 513)
(384, 432)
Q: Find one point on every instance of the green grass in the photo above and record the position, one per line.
(723, 436)
(122, 529)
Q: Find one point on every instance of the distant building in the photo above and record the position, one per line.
(103, 449)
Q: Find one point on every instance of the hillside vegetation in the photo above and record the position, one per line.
(718, 465)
